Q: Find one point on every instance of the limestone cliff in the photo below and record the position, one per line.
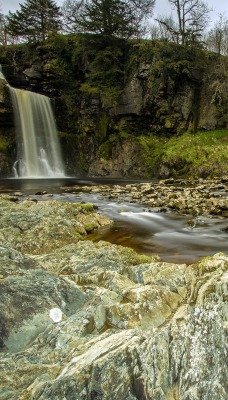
(105, 95)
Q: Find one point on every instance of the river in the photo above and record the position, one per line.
(175, 237)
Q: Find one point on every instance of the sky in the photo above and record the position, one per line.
(162, 7)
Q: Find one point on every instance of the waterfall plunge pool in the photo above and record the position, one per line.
(167, 234)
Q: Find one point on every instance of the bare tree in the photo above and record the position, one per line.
(192, 19)
(217, 38)
(3, 35)
(165, 28)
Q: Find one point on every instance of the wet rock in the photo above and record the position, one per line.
(187, 196)
(34, 72)
(38, 227)
(85, 320)
(162, 335)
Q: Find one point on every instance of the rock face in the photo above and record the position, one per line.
(125, 161)
(166, 90)
(7, 132)
(98, 321)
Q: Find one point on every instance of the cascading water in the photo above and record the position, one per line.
(39, 154)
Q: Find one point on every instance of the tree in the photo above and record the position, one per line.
(217, 38)
(192, 18)
(118, 18)
(165, 28)
(3, 35)
(35, 20)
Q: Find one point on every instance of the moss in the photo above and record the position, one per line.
(202, 154)
(102, 126)
(6, 144)
(105, 150)
(78, 235)
(85, 87)
(87, 207)
(90, 227)
(168, 123)
(151, 151)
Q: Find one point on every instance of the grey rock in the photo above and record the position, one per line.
(26, 298)
(39, 227)
(98, 321)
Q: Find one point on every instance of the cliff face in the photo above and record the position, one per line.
(106, 101)
(7, 132)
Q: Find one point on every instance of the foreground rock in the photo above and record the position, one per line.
(39, 227)
(98, 321)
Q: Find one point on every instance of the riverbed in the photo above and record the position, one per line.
(175, 235)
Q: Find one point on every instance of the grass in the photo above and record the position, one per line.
(203, 154)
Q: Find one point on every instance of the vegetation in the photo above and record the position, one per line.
(192, 19)
(6, 144)
(204, 154)
(119, 18)
(90, 68)
(35, 20)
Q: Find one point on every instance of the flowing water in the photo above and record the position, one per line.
(173, 236)
(39, 152)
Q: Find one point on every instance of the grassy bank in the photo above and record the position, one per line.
(202, 154)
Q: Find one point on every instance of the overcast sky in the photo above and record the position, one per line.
(162, 7)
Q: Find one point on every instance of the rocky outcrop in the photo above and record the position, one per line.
(139, 331)
(27, 292)
(6, 111)
(83, 320)
(125, 160)
(39, 227)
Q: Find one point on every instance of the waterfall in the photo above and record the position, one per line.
(39, 154)
(1, 74)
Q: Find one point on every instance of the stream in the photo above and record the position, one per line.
(173, 236)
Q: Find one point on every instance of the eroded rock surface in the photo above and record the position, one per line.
(127, 326)
(39, 227)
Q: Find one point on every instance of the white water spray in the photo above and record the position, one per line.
(39, 154)
(1, 74)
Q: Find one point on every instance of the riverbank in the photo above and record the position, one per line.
(83, 320)
(191, 196)
(179, 220)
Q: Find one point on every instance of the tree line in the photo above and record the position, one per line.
(36, 20)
